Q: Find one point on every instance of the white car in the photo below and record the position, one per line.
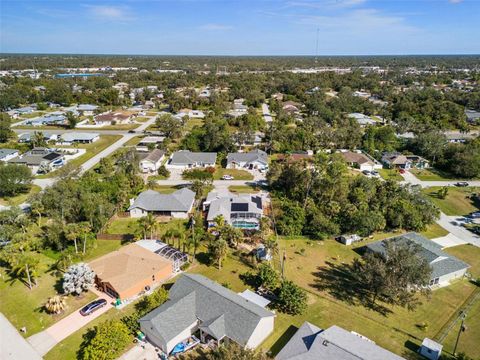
(227, 177)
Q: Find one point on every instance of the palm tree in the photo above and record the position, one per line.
(272, 246)
(26, 266)
(218, 250)
(56, 304)
(72, 232)
(148, 223)
(172, 235)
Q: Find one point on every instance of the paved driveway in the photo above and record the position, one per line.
(44, 341)
(452, 225)
(412, 179)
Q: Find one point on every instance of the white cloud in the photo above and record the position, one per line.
(110, 13)
(216, 27)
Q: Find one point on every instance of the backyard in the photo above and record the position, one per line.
(457, 200)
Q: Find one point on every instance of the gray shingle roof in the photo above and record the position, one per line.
(220, 311)
(311, 343)
(250, 157)
(79, 136)
(223, 205)
(150, 200)
(6, 152)
(440, 262)
(185, 157)
(155, 155)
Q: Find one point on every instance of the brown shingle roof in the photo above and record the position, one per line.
(356, 158)
(128, 266)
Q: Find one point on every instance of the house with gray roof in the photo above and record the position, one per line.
(473, 117)
(185, 159)
(256, 159)
(40, 160)
(8, 154)
(78, 138)
(200, 306)
(177, 204)
(242, 211)
(312, 343)
(445, 267)
(152, 162)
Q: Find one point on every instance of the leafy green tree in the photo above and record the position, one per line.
(233, 351)
(394, 277)
(292, 299)
(5, 132)
(108, 342)
(72, 120)
(170, 126)
(14, 179)
(268, 277)
(291, 219)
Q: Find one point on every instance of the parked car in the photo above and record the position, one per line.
(401, 171)
(366, 172)
(375, 173)
(131, 131)
(227, 177)
(92, 307)
(461, 184)
(474, 215)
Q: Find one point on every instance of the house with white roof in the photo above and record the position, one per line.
(256, 159)
(71, 138)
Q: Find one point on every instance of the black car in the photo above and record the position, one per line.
(461, 184)
(92, 307)
(131, 131)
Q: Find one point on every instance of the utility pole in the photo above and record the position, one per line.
(463, 315)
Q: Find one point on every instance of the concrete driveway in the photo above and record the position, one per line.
(44, 341)
(453, 226)
(413, 180)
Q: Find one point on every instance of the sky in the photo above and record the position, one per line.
(241, 27)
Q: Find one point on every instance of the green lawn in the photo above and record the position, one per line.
(302, 266)
(434, 231)
(433, 174)
(24, 307)
(457, 201)
(191, 123)
(19, 199)
(390, 174)
(120, 127)
(236, 173)
(122, 226)
(242, 189)
(103, 247)
(92, 150)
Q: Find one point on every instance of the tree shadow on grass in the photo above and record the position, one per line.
(339, 281)
(203, 258)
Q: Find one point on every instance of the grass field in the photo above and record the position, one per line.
(19, 199)
(434, 231)
(457, 201)
(433, 174)
(24, 307)
(236, 173)
(390, 174)
(120, 127)
(92, 150)
(243, 189)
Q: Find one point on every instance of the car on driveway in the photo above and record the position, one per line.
(401, 171)
(227, 177)
(461, 184)
(366, 172)
(92, 307)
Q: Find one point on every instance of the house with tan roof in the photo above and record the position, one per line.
(125, 273)
(360, 160)
(111, 118)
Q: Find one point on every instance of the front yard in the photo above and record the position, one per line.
(24, 307)
(457, 201)
(433, 174)
(237, 174)
(390, 174)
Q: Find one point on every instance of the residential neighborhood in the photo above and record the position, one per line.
(238, 207)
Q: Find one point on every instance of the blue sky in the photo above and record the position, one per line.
(241, 27)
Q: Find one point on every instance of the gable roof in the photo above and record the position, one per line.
(79, 136)
(220, 311)
(150, 200)
(186, 157)
(252, 156)
(128, 266)
(6, 152)
(440, 262)
(355, 158)
(312, 343)
(154, 156)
